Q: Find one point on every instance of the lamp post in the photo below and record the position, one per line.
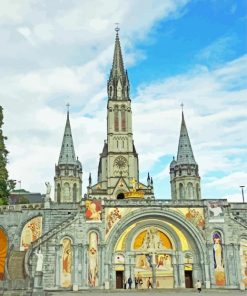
(242, 189)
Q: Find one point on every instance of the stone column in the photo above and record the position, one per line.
(75, 266)
(102, 264)
(85, 265)
(175, 271)
(58, 265)
(80, 264)
(181, 269)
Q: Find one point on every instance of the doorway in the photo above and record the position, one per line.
(119, 279)
(188, 279)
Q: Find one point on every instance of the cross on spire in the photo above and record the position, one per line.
(117, 27)
(67, 105)
(182, 106)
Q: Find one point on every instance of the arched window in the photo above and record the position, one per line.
(181, 191)
(116, 120)
(66, 263)
(74, 193)
(120, 196)
(93, 260)
(123, 120)
(190, 191)
(58, 193)
(197, 191)
(66, 192)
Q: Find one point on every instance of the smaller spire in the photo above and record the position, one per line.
(185, 153)
(148, 179)
(67, 152)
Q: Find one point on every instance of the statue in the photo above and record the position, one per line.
(48, 188)
(40, 256)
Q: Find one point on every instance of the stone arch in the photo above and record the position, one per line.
(192, 234)
(58, 193)
(74, 192)
(181, 191)
(190, 190)
(159, 224)
(30, 230)
(66, 192)
(3, 252)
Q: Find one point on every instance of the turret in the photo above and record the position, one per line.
(184, 175)
(68, 172)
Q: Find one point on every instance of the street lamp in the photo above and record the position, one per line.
(242, 188)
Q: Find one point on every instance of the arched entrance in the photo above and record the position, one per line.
(3, 252)
(120, 196)
(153, 244)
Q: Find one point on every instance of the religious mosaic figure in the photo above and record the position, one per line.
(31, 232)
(152, 240)
(66, 265)
(93, 210)
(243, 258)
(218, 260)
(93, 260)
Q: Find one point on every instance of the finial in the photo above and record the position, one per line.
(182, 106)
(117, 27)
(68, 105)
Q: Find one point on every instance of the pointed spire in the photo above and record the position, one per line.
(185, 154)
(67, 153)
(117, 65)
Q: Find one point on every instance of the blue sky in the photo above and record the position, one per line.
(175, 51)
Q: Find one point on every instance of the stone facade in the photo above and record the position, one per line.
(118, 230)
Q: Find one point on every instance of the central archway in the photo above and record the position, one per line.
(173, 224)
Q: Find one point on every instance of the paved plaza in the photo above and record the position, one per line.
(151, 292)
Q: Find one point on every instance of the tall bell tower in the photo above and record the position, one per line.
(118, 166)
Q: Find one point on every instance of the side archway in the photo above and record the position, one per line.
(3, 252)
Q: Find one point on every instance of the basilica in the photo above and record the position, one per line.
(118, 230)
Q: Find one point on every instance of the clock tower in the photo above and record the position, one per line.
(118, 167)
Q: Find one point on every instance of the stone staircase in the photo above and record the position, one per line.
(49, 234)
(239, 220)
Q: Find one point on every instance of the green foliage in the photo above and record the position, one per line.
(6, 185)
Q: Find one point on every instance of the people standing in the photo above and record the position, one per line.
(136, 283)
(149, 283)
(129, 282)
(199, 286)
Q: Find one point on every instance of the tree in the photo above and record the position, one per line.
(6, 185)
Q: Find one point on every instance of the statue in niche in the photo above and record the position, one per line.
(39, 265)
(218, 253)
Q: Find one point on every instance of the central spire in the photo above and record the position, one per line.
(118, 83)
(117, 65)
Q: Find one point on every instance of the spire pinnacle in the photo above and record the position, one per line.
(185, 153)
(117, 65)
(67, 153)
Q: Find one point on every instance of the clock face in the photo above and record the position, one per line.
(120, 162)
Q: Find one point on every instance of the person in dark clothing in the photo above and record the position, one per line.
(149, 283)
(129, 282)
(136, 283)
